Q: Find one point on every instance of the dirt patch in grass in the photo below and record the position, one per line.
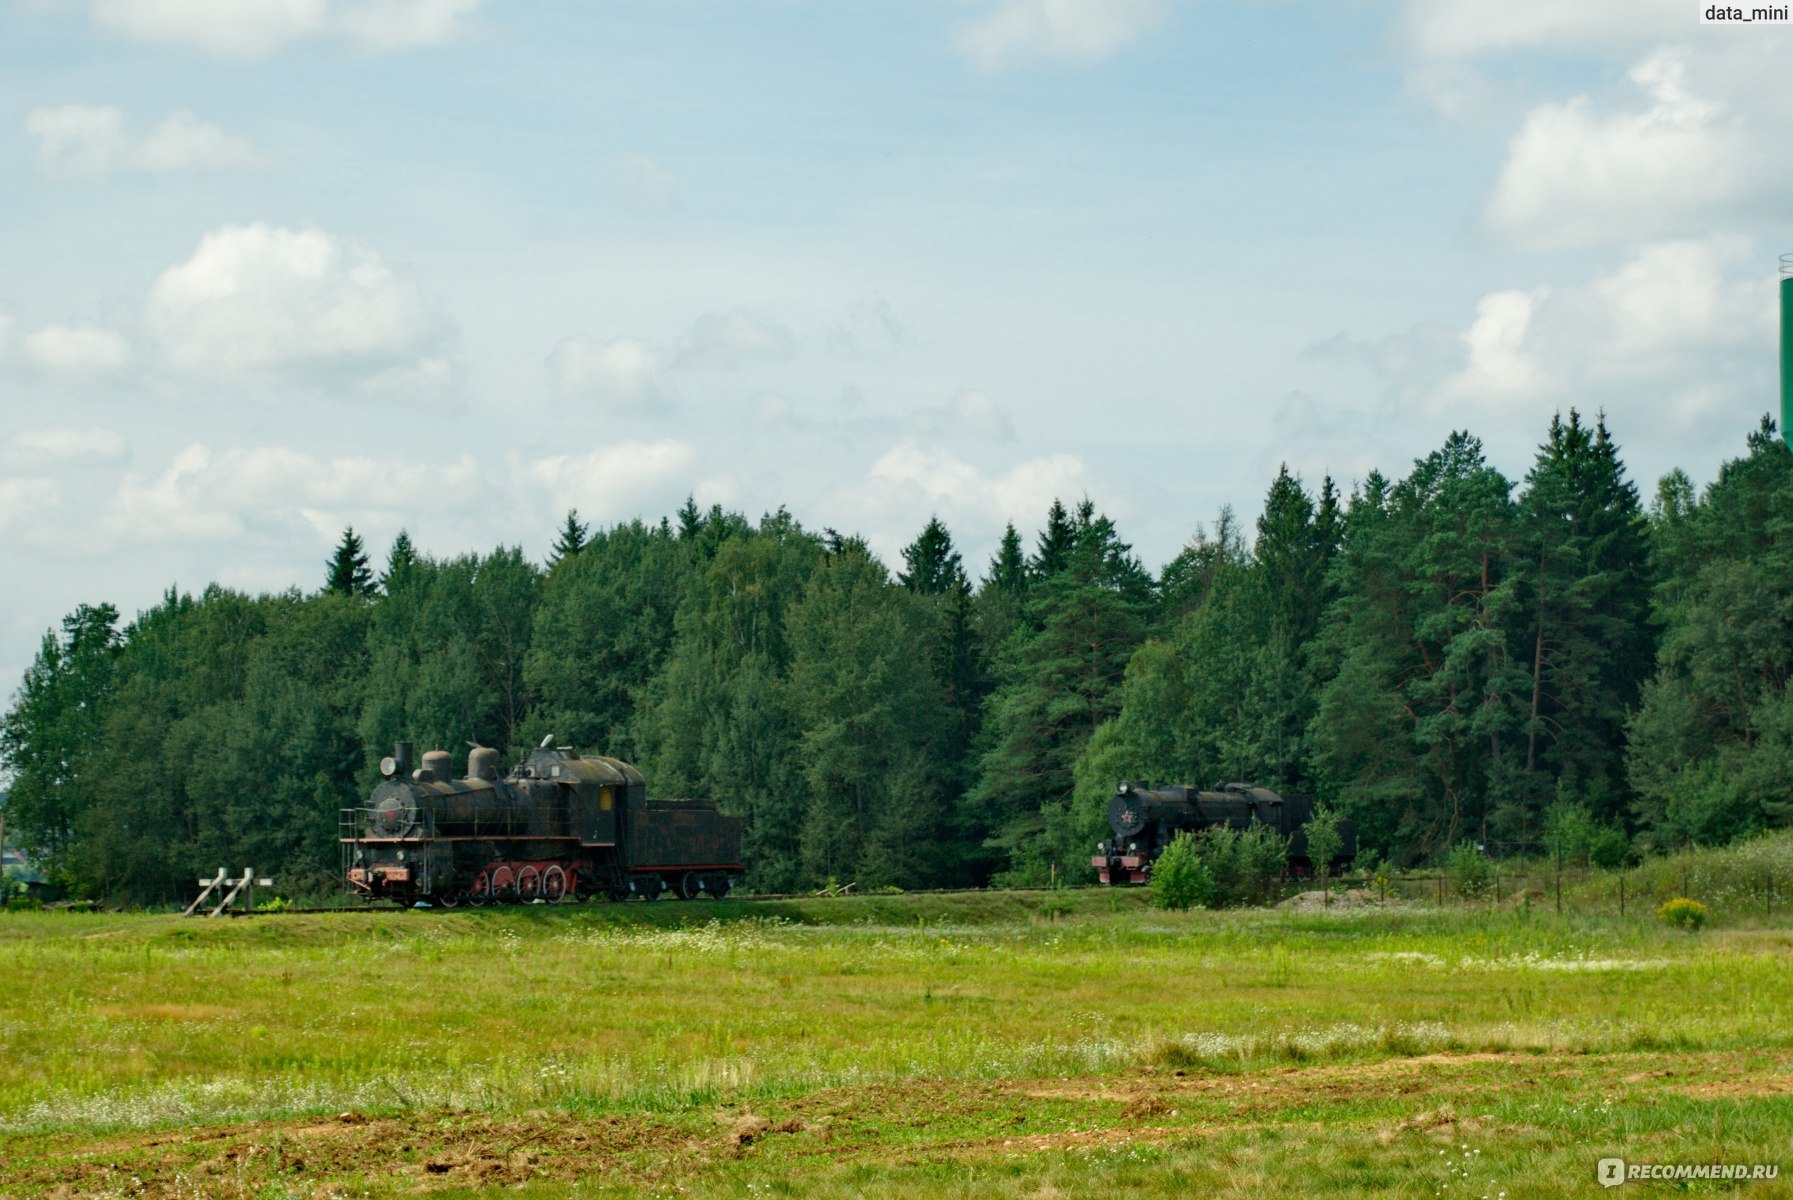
(1744, 1088)
(932, 1120)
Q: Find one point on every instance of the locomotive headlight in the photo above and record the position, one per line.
(401, 856)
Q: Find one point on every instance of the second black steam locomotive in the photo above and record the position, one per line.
(1144, 820)
(560, 826)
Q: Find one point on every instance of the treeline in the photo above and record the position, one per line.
(1446, 655)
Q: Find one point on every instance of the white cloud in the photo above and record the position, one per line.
(385, 25)
(93, 141)
(622, 373)
(253, 298)
(613, 482)
(23, 500)
(1675, 323)
(206, 495)
(1575, 174)
(1016, 31)
(252, 29)
(75, 351)
(1499, 362)
(727, 341)
(60, 444)
(910, 478)
(1463, 28)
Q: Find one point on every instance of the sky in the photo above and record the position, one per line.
(270, 268)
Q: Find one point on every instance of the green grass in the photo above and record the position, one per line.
(1024, 1044)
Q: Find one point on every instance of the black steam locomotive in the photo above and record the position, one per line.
(560, 826)
(1145, 819)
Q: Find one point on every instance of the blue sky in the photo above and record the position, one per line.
(271, 267)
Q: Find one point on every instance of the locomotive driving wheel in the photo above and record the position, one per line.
(503, 884)
(481, 891)
(554, 884)
(529, 884)
(449, 899)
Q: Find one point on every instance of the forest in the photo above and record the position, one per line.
(1445, 656)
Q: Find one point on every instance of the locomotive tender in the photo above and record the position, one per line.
(561, 825)
(1145, 819)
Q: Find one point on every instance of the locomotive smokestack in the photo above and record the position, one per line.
(401, 759)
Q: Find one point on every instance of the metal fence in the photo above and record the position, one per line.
(1764, 892)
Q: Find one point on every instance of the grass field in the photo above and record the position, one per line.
(1005, 1045)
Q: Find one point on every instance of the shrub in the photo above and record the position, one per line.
(1246, 864)
(1568, 832)
(1682, 913)
(1472, 875)
(1609, 847)
(1180, 879)
(277, 904)
(1324, 841)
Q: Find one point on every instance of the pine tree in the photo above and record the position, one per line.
(573, 535)
(691, 521)
(1709, 744)
(933, 565)
(1584, 565)
(53, 729)
(349, 573)
(1059, 674)
(401, 564)
(1056, 542)
(1187, 580)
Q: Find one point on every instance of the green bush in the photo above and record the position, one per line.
(24, 903)
(1472, 875)
(1682, 913)
(1568, 832)
(1246, 864)
(1609, 847)
(1180, 879)
(277, 904)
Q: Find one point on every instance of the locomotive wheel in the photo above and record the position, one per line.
(718, 886)
(449, 899)
(554, 885)
(481, 891)
(529, 884)
(650, 886)
(691, 886)
(618, 892)
(503, 885)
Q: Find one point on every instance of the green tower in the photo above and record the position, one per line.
(1786, 343)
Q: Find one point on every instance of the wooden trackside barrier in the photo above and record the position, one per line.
(241, 887)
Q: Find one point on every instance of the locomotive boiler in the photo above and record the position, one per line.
(1144, 820)
(559, 826)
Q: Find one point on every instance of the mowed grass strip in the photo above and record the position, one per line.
(899, 1044)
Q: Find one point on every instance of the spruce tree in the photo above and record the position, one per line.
(401, 564)
(1057, 540)
(933, 565)
(1586, 640)
(573, 535)
(349, 573)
